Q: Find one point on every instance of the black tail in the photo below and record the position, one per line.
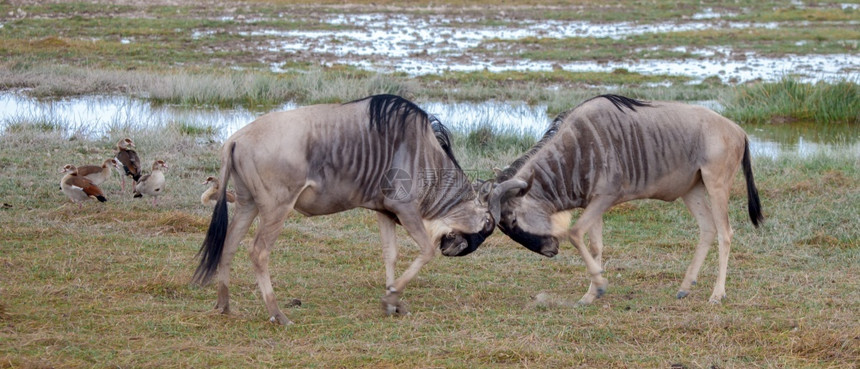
(101, 198)
(752, 193)
(213, 244)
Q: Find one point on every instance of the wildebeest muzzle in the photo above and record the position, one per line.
(462, 244)
(544, 245)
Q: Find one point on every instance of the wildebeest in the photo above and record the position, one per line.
(381, 153)
(612, 149)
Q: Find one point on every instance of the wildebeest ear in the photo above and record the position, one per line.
(483, 190)
(529, 182)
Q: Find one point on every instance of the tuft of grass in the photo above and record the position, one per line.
(195, 129)
(22, 126)
(789, 100)
(486, 140)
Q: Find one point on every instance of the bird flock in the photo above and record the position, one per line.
(81, 183)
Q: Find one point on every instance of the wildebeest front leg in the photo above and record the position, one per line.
(698, 206)
(591, 216)
(389, 254)
(595, 245)
(415, 227)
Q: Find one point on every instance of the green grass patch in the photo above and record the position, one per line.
(789, 100)
(616, 77)
(679, 45)
(827, 13)
(196, 129)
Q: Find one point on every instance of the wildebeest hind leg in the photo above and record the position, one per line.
(698, 206)
(271, 221)
(718, 183)
(593, 213)
(242, 219)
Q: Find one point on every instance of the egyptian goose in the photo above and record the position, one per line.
(78, 188)
(212, 194)
(151, 184)
(128, 159)
(98, 174)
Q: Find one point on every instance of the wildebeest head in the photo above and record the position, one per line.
(468, 230)
(523, 219)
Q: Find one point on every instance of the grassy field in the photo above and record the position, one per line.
(108, 285)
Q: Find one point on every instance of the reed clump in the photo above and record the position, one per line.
(789, 100)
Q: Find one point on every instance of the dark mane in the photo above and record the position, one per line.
(616, 100)
(443, 135)
(389, 112)
(619, 101)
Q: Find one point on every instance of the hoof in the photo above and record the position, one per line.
(222, 309)
(398, 309)
(682, 294)
(392, 305)
(716, 300)
(586, 300)
(601, 291)
(280, 319)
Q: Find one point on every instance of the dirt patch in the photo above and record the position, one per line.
(180, 222)
(831, 180)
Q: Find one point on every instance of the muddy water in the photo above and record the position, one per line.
(429, 44)
(98, 115)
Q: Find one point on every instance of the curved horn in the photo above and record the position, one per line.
(502, 192)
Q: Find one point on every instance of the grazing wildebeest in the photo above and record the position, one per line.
(381, 153)
(612, 149)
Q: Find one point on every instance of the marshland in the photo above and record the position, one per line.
(109, 285)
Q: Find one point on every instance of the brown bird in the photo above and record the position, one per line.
(128, 159)
(98, 174)
(212, 194)
(151, 184)
(78, 188)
